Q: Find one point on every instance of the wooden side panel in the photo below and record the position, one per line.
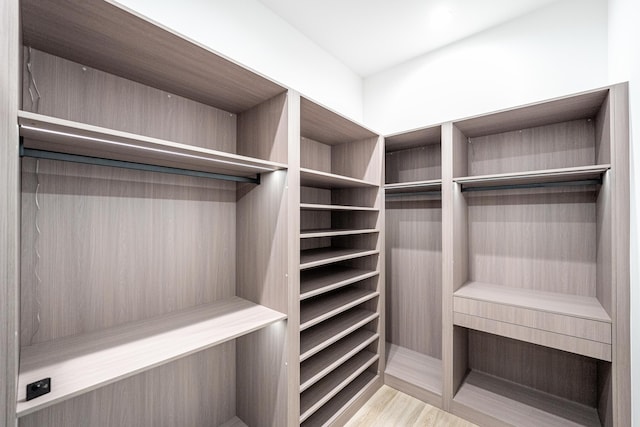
(603, 132)
(9, 208)
(198, 390)
(562, 374)
(554, 146)
(263, 130)
(604, 250)
(315, 155)
(135, 245)
(262, 243)
(543, 240)
(358, 159)
(413, 252)
(261, 377)
(416, 164)
(460, 356)
(71, 91)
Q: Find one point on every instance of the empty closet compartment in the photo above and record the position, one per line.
(413, 296)
(502, 381)
(339, 353)
(321, 251)
(535, 265)
(565, 139)
(413, 160)
(327, 223)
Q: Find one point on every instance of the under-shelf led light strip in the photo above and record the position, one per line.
(156, 150)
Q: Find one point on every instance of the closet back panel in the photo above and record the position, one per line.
(118, 245)
(198, 391)
(71, 91)
(355, 159)
(262, 130)
(538, 239)
(414, 275)
(415, 164)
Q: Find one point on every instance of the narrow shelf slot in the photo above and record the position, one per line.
(324, 307)
(318, 366)
(132, 348)
(317, 257)
(324, 279)
(414, 368)
(313, 178)
(333, 232)
(48, 134)
(312, 399)
(323, 335)
(585, 175)
(522, 406)
(323, 207)
(331, 410)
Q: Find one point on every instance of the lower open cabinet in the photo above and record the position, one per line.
(503, 381)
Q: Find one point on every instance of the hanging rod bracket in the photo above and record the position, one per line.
(75, 158)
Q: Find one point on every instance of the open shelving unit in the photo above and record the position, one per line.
(413, 252)
(340, 272)
(159, 168)
(531, 263)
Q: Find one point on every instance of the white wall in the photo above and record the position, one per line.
(624, 65)
(254, 36)
(556, 50)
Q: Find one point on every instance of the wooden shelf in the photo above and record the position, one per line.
(333, 232)
(318, 366)
(413, 187)
(320, 207)
(67, 137)
(133, 47)
(564, 304)
(547, 176)
(126, 350)
(234, 422)
(317, 257)
(323, 335)
(312, 399)
(320, 280)
(313, 178)
(522, 406)
(414, 368)
(331, 410)
(324, 307)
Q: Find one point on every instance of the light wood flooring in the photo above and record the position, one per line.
(391, 408)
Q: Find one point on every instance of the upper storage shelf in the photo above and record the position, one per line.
(81, 363)
(158, 57)
(64, 136)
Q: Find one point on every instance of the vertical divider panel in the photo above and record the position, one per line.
(9, 209)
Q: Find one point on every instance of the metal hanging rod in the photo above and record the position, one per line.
(52, 155)
(535, 185)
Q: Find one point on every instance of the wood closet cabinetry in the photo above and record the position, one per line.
(531, 227)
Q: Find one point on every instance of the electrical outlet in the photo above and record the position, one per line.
(38, 388)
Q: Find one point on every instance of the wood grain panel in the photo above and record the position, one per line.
(76, 92)
(422, 373)
(198, 390)
(263, 130)
(603, 131)
(262, 241)
(171, 240)
(415, 164)
(412, 139)
(315, 155)
(594, 349)
(99, 34)
(566, 144)
(567, 375)
(573, 107)
(413, 236)
(322, 124)
(9, 208)
(358, 159)
(534, 239)
(261, 376)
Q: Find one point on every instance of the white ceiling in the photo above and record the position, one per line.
(372, 35)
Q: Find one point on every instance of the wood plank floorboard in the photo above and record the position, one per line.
(390, 407)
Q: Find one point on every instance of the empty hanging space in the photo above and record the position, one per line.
(413, 256)
(153, 226)
(340, 284)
